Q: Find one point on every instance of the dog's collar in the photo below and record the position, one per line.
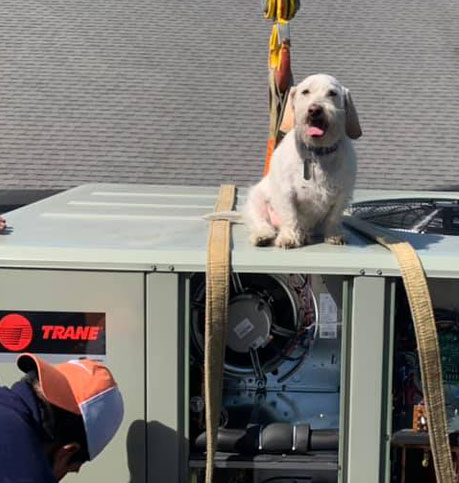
(323, 150)
(318, 151)
(308, 161)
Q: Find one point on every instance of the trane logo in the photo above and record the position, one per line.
(43, 332)
(16, 332)
(61, 332)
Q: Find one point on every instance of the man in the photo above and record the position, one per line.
(55, 419)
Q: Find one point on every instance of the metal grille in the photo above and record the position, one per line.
(412, 215)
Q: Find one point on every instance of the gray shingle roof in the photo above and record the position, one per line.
(176, 92)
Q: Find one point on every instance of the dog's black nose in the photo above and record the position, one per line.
(315, 111)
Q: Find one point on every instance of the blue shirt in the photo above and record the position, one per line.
(22, 455)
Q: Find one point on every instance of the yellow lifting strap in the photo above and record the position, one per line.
(217, 296)
(274, 48)
(417, 290)
(281, 10)
(280, 74)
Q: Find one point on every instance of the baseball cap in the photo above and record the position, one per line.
(82, 387)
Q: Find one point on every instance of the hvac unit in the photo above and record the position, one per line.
(321, 372)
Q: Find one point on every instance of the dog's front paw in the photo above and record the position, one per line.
(261, 238)
(336, 239)
(288, 238)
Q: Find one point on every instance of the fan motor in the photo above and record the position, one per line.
(264, 313)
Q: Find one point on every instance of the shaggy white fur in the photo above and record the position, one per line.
(312, 172)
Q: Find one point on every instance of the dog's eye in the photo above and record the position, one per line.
(332, 93)
(305, 92)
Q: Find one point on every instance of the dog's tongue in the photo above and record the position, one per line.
(315, 131)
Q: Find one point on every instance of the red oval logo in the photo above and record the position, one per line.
(15, 332)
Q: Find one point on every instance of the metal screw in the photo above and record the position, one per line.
(171, 268)
(154, 268)
(362, 271)
(196, 404)
(425, 459)
(379, 271)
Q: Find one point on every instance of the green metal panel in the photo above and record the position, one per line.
(145, 228)
(165, 376)
(365, 388)
(346, 332)
(387, 378)
(185, 342)
(121, 297)
(141, 227)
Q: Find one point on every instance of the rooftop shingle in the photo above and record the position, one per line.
(176, 92)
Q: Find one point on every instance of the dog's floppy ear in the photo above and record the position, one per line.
(353, 129)
(288, 118)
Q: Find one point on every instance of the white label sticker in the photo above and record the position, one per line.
(243, 328)
(258, 342)
(328, 311)
(328, 331)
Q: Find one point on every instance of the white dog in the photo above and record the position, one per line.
(312, 172)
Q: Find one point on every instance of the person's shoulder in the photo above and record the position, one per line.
(22, 456)
(16, 429)
(10, 410)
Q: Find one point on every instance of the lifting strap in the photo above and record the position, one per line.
(417, 290)
(280, 73)
(217, 296)
(284, 10)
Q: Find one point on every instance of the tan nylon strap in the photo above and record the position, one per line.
(417, 290)
(217, 295)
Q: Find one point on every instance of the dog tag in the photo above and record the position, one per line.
(307, 168)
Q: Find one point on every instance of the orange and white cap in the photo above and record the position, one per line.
(83, 387)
